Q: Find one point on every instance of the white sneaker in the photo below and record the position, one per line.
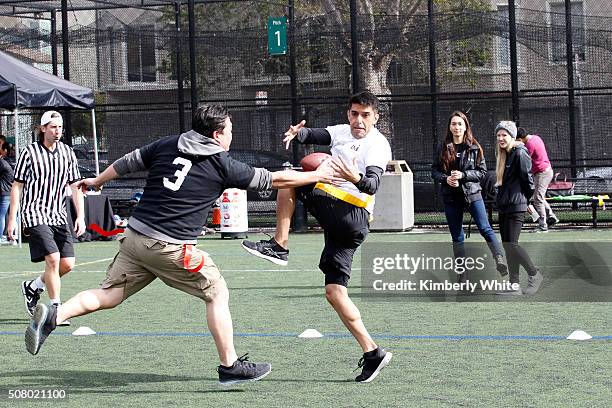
(534, 283)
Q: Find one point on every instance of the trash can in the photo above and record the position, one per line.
(234, 214)
(394, 207)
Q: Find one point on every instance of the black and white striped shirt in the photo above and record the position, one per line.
(45, 175)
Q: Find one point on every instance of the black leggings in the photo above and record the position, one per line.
(510, 225)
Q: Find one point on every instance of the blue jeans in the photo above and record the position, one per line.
(454, 218)
(4, 206)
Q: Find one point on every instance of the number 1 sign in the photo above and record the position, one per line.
(277, 35)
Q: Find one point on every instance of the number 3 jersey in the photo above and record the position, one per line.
(186, 174)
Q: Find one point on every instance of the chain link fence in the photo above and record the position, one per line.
(147, 68)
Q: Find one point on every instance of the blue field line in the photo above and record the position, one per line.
(452, 337)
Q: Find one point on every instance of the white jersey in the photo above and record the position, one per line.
(371, 150)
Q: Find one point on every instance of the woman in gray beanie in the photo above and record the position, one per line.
(514, 189)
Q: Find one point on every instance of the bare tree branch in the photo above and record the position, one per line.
(334, 18)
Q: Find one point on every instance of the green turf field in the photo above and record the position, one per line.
(154, 350)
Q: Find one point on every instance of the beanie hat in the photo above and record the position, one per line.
(508, 126)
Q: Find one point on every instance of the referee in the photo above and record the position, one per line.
(43, 171)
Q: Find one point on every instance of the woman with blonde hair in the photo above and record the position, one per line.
(459, 166)
(514, 189)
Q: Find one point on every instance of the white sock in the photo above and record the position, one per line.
(56, 301)
(38, 284)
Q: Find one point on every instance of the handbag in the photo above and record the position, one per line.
(558, 188)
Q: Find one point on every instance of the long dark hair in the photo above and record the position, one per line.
(448, 153)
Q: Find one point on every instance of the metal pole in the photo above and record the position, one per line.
(95, 138)
(300, 216)
(433, 80)
(98, 63)
(66, 63)
(179, 67)
(293, 77)
(16, 120)
(570, 85)
(66, 59)
(516, 115)
(53, 41)
(192, 56)
(354, 47)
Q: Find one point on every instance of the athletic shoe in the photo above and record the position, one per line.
(552, 220)
(534, 283)
(372, 365)
(243, 371)
(269, 250)
(41, 326)
(30, 296)
(541, 228)
(501, 265)
(510, 292)
(65, 323)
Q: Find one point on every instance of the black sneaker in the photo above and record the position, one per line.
(30, 296)
(269, 250)
(552, 220)
(501, 265)
(41, 326)
(372, 365)
(243, 371)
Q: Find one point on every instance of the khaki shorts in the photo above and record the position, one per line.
(181, 266)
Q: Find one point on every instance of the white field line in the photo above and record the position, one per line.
(7, 275)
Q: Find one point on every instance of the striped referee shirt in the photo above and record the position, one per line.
(45, 175)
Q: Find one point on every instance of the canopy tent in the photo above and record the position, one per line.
(23, 86)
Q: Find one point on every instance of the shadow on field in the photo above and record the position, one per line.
(14, 321)
(319, 287)
(277, 287)
(82, 382)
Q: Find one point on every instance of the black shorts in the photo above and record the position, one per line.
(345, 227)
(48, 239)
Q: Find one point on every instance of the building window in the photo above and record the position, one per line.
(503, 51)
(394, 73)
(141, 54)
(557, 21)
(319, 55)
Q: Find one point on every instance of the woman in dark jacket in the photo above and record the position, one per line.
(514, 189)
(6, 182)
(458, 166)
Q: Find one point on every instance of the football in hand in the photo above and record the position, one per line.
(312, 161)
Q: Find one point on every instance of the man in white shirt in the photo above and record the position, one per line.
(361, 154)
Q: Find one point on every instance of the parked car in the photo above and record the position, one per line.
(592, 181)
(256, 158)
(86, 156)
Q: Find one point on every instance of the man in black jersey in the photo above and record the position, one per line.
(186, 174)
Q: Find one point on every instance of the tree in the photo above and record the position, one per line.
(386, 30)
(387, 27)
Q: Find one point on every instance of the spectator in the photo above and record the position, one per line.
(6, 182)
(542, 176)
(514, 189)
